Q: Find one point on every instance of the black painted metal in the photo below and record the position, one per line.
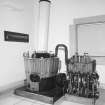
(47, 83)
(42, 54)
(45, 0)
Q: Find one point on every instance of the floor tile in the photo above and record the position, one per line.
(10, 100)
(13, 99)
(69, 103)
(23, 102)
(27, 101)
(40, 103)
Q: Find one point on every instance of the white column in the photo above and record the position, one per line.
(43, 24)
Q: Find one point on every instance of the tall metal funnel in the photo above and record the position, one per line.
(43, 24)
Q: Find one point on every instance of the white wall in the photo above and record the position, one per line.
(16, 16)
(64, 11)
(62, 14)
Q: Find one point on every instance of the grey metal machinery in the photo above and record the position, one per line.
(43, 81)
(82, 77)
(41, 69)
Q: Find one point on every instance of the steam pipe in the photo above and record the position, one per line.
(66, 51)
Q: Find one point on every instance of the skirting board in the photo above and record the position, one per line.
(11, 87)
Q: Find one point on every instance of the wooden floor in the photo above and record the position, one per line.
(12, 99)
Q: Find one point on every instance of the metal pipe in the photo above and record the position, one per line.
(43, 24)
(66, 51)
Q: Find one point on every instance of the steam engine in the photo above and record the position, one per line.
(83, 78)
(42, 74)
(41, 69)
(43, 78)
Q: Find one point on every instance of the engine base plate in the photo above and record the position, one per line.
(49, 96)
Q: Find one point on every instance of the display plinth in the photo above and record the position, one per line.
(46, 96)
